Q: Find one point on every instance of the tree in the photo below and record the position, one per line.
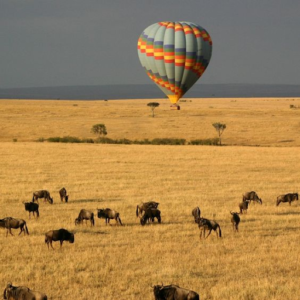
(153, 105)
(220, 129)
(99, 129)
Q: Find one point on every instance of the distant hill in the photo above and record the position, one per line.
(149, 91)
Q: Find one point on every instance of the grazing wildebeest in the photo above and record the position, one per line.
(32, 208)
(244, 206)
(22, 293)
(85, 215)
(205, 224)
(58, 235)
(108, 214)
(42, 194)
(63, 195)
(252, 196)
(150, 214)
(10, 223)
(235, 220)
(174, 292)
(196, 212)
(287, 198)
(142, 207)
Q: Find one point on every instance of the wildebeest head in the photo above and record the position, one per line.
(77, 221)
(101, 213)
(72, 238)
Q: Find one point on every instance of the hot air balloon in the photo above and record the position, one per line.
(174, 55)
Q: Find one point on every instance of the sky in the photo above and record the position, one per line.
(94, 42)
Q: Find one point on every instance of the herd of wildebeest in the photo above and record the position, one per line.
(147, 212)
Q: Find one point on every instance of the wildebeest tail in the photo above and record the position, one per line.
(137, 210)
(220, 232)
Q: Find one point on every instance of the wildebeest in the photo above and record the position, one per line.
(85, 215)
(42, 194)
(252, 196)
(150, 214)
(58, 235)
(108, 214)
(32, 208)
(196, 212)
(11, 223)
(244, 206)
(142, 207)
(235, 220)
(63, 195)
(22, 293)
(205, 224)
(173, 292)
(287, 198)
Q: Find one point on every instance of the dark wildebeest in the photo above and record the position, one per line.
(244, 206)
(173, 292)
(205, 224)
(58, 235)
(10, 223)
(142, 207)
(108, 214)
(32, 208)
(42, 194)
(252, 196)
(22, 293)
(150, 214)
(235, 220)
(63, 195)
(85, 215)
(196, 212)
(287, 198)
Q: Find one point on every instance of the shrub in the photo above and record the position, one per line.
(213, 141)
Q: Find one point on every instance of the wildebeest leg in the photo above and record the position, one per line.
(51, 245)
(22, 229)
(208, 233)
(61, 242)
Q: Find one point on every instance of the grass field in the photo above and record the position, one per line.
(114, 262)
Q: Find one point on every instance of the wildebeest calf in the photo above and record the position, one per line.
(287, 198)
(85, 215)
(244, 206)
(63, 195)
(108, 214)
(22, 293)
(150, 214)
(205, 224)
(58, 235)
(173, 292)
(42, 194)
(32, 207)
(235, 220)
(196, 212)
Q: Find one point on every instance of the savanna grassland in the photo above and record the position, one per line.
(261, 153)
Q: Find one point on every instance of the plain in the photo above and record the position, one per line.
(110, 262)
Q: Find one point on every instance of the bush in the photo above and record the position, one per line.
(213, 141)
(65, 139)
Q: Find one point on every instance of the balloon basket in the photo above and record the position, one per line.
(175, 107)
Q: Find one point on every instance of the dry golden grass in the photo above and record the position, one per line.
(110, 262)
(265, 121)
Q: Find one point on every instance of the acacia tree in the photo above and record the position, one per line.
(99, 129)
(220, 129)
(153, 105)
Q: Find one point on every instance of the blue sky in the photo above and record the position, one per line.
(93, 42)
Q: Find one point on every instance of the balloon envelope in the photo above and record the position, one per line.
(174, 55)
